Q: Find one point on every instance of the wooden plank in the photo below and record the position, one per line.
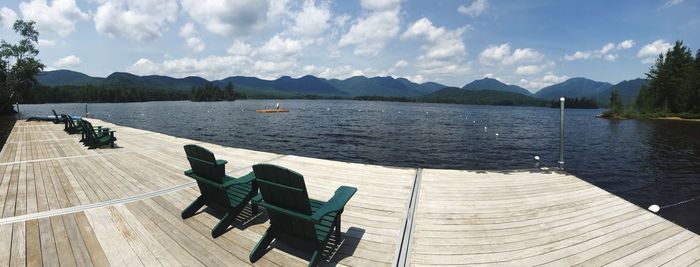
(132, 238)
(97, 254)
(115, 246)
(63, 248)
(33, 243)
(79, 250)
(48, 243)
(5, 244)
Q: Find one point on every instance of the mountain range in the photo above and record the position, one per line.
(286, 86)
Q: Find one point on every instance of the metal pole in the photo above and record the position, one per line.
(19, 116)
(561, 133)
(86, 112)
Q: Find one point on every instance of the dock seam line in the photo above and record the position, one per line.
(125, 200)
(62, 158)
(404, 245)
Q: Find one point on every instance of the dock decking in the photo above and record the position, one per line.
(64, 205)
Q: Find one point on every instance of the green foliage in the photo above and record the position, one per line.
(482, 97)
(18, 65)
(674, 85)
(210, 92)
(102, 93)
(588, 103)
(615, 102)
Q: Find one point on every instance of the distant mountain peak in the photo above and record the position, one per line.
(495, 85)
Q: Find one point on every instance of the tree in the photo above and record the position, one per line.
(18, 65)
(671, 87)
(615, 102)
(228, 91)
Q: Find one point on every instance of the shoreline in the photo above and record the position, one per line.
(674, 118)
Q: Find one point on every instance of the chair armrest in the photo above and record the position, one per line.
(242, 180)
(285, 211)
(336, 203)
(221, 162)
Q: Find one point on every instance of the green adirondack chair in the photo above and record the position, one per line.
(72, 126)
(293, 216)
(218, 190)
(96, 138)
(57, 118)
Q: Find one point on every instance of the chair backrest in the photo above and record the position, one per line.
(88, 130)
(285, 189)
(56, 117)
(203, 164)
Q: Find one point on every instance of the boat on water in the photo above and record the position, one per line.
(272, 110)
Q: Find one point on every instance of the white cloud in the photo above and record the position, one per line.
(312, 20)
(443, 50)
(341, 20)
(538, 83)
(187, 30)
(46, 42)
(240, 48)
(604, 52)
(626, 44)
(578, 55)
(135, 19)
(474, 9)
(500, 54)
(214, 67)
(67, 62)
(58, 18)
(379, 4)
(670, 3)
(371, 33)
(528, 69)
(195, 44)
(7, 17)
(278, 48)
(401, 64)
(606, 48)
(650, 52)
(227, 18)
(610, 57)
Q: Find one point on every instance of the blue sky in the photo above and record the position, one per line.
(528, 43)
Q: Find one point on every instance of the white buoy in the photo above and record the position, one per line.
(485, 128)
(654, 208)
(473, 121)
(496, 134)
(537, 158)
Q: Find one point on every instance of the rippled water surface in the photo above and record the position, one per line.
(645, 162)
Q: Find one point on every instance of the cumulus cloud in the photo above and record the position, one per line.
(443, 49)
(528, 69)
(538, 83)
(604, 52)
(278, 47)
(501, 54)
(650, 52)
(137, 20)
(214, 67)
(400, 64)
(57, 18)
(240, 48)
(474, 9)
(67, 62)
(371, 33)
(194, 43)
(46, 42)
(228, 18)
(626, 44)
(312, 20)
(7, 17)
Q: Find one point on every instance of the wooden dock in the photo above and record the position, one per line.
(64, 205)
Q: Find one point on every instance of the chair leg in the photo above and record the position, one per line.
(225, 222)
(259, 249)
(337, 229)
(193, 208)
(254, 209)
(314, 258)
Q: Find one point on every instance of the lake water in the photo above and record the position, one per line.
(645, 162)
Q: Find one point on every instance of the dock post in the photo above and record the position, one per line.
(86, 111)
(561, 133)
